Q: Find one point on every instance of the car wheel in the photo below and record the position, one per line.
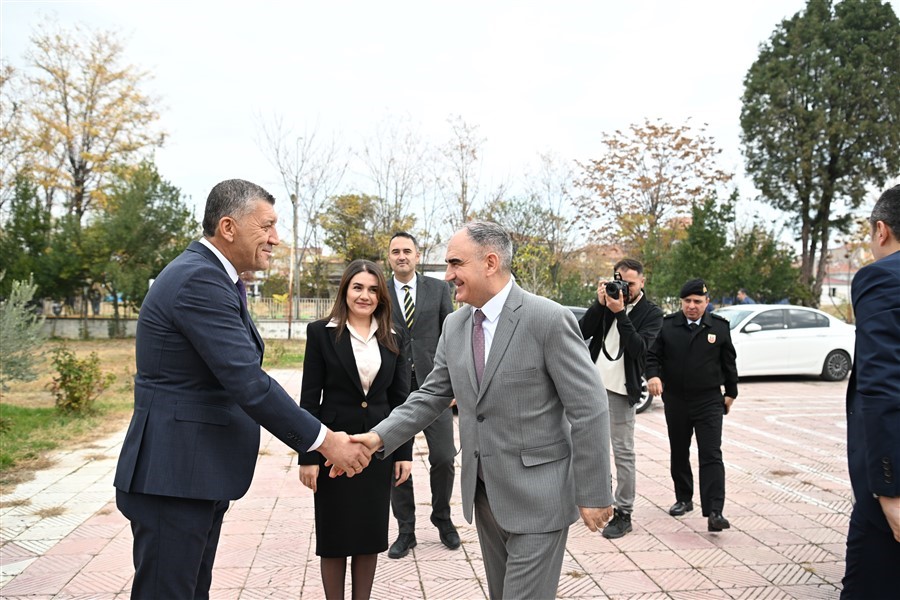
(646, 399)
(837, 365)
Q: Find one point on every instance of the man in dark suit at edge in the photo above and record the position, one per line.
(873, 414)
(420, 305)
(200, 395)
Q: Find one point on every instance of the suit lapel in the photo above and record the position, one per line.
(506, 328)
(400, 318)
(245, 314)
(344, 350)
(248, 323)
(385, 372)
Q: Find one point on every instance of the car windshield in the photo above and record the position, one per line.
(734, 315)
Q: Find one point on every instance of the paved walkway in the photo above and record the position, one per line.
(788, 502)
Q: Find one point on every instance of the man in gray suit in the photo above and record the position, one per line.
(420, 305)
(533, 417)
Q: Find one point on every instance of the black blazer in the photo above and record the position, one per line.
(637, 332)
(694, 362)
(873, 394)
(200, 393)
(433, 304)
(331, 389)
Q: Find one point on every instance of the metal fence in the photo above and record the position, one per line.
(305, 309)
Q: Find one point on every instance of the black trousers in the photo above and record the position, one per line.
(441, 452)
(175, 542)
(872, 554)
(701, 415)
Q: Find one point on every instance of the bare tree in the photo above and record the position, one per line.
(550, 185)
(12, 147)
(311, 169)
(461, 174)
(394, 158)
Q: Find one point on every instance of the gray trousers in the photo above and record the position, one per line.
(441, 452)
(517, 565)
(621, 432)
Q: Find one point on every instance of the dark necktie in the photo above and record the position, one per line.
(409, 307)
(478, 344)
(693, 326)
(242, 291)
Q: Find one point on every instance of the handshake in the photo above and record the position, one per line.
(348, 454)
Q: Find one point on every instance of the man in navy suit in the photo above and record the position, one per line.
(200, 395)
(873, 414)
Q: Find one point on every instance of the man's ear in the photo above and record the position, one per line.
(227, 228)
(492, 262)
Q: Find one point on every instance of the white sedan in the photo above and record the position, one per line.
(782, 339)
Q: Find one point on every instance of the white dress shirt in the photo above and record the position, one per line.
(492, 309)
(401, 294)
(365, 351)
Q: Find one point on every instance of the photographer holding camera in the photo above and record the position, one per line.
(622, 323)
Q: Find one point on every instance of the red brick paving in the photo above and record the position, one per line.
(787, 499)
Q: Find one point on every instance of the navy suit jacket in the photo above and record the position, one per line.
(873, 394)
(200, 393)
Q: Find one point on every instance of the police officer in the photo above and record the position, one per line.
(690, 361)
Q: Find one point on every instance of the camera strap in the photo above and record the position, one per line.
(603, 339)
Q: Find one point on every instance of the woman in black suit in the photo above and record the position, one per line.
(354, 374)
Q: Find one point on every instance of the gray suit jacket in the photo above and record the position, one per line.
(539, 423)
(433, 304)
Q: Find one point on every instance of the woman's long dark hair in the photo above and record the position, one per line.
(382, 315)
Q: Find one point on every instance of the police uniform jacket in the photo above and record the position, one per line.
(694, 362)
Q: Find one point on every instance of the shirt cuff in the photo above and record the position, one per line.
(319, 439)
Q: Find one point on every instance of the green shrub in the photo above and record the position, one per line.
(80, 381)
(20, 333)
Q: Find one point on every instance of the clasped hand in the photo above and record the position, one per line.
(345, 453)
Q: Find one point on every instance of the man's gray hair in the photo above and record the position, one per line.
(231, 198)
(490, 237)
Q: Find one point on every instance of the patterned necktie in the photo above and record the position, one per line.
(478, 344)
(409, 307)
(242, 291)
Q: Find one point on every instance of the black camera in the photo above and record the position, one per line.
(613, 287)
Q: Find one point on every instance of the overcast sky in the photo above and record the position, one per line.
(534, 76)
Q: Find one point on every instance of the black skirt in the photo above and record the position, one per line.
(352, 513)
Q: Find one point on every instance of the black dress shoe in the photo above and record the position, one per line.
(405, 542)
(447, 532)
(716, 522)
(679, 508)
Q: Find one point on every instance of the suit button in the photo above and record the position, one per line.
(885, 461)
(476, 454)
(364, 404)
(480, 418)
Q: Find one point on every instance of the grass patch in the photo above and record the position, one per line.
(51, 511)
(15, 503)
(32, 425)
(284, 354)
